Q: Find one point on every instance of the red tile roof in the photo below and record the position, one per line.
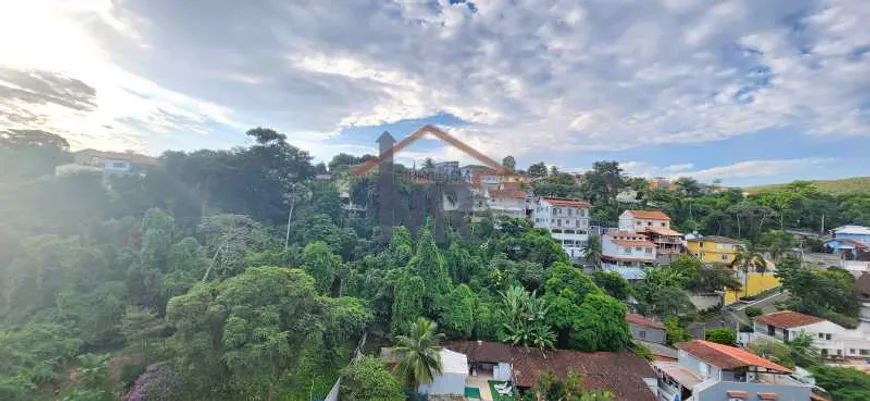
(664, 231)
(497, 193)
(482, 351)
(786, 319)
(620, 373)
(726, 357)
(649, 214)
(642, 321)
(622, 242)
(568, 202)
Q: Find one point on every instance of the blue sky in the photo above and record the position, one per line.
(744, 91)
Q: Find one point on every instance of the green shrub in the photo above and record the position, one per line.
(753, 311)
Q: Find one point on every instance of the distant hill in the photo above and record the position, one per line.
(854, 185)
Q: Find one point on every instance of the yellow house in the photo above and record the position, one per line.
(714, 249)
(723, 250)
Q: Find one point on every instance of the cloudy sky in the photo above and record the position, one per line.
(743, 91)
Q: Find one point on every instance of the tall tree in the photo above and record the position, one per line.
(321, 264)
(592, 250)
(419, 354)
(538, 170)
(367, 379)
(509, 162)
(428, 263)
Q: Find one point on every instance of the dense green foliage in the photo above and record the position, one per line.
(844, 384)
(184, 281)
(722, 336)
(193, 280)
(367, 379)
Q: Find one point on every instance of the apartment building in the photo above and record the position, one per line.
(657, 226)
(508, 202)
(567, 219)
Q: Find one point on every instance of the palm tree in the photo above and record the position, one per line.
(419, 354)
(748, 258)
(592, 250)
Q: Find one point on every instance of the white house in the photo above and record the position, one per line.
(567, 220)
(832, 340)
(511, 203)
(640, 220)
(451, 381)
(627, 252)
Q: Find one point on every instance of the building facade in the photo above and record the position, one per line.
(510, 203)
(833, 341)
(707, 371)
(627, 249)
(567, 220)
(644, 329)
(713, 249)
(657, 227)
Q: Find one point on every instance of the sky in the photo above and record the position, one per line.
(745, 91)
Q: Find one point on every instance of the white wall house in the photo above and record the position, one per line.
(567, 220)
(832, 340)
(627, 249)
(451, 381)
(640, 220)
(511, 203)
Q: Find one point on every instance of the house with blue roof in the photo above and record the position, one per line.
(850, 242)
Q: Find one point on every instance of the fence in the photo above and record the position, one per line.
(357, 354)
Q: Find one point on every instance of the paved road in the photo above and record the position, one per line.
(733, 315)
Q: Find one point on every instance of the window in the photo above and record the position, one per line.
(649, 223)
(852, 351)
(626, 250)
(828, 336)
(570, 212)
(725, 257)
(641, 334)
(663, 224)
(558, 222)
(556, 231)
(822, 335)
(648, 251)
(119, 165)
(569, 231)
(637, 249)
(865, 352)
(771, 331)
(578, 223)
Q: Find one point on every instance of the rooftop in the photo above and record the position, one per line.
(128, 156)
(726, 357)
(504, 193)
(642, 321)
(717, 239)
(848, 241)
(664, 231)
(786, 319)
(852, 229)
(623, 242)
(567, 202)
(649, 214)
(685, 377)
(621, 373)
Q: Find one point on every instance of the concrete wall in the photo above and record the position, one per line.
(447, 383)
(705, 302)
(719, 391)
(650, 334)
(698, 366)
(754, 284)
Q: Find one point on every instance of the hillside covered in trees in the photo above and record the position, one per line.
(193, 280)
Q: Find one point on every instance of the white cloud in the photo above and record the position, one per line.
(739, 171)
(534, 75)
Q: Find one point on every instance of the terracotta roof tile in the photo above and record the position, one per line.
(786, 319)
(504, 193)
(620, 373)
(482, 351)
(642, 321)
(622, 242)
(649, 214)
(664, 231)
(726, 357)
(567, 202)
